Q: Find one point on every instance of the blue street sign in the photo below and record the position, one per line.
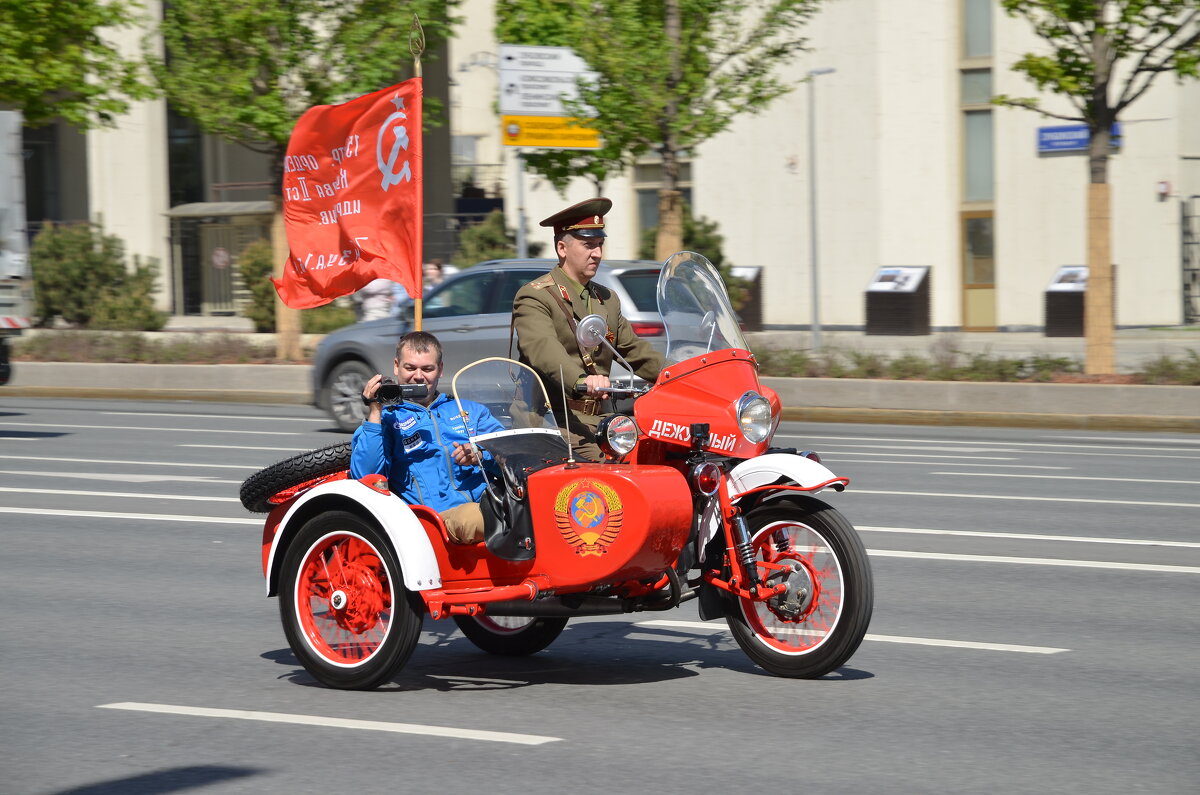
(1071, 138)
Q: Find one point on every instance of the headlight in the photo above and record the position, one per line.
(618, 434)
(754, 416)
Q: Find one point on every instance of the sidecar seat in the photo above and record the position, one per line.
(507, 523)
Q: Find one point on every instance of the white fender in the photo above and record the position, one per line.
(765, 469)
(413, 548)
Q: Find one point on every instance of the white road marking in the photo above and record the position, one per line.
(147, 517)
(1130, 439)
(1029, 536)
(832, 453)
(324, 420)
(957, 644)
(135, 495)
(187, 464)
(1083, 564)
(837, 459)
(67, 427)
(124, 477)
(1026, 498)
(1064, 477)
(336, 723)
(889, 439)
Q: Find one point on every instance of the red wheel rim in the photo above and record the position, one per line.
(343, 599)
(816, 623)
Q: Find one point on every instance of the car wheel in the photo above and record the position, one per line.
(344, 387)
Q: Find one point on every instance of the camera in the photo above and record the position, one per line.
(391, 392)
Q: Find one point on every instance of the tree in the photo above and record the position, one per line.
(671, 75)
(247, 71)
(1104, 55)
(489, 239)
(57, 64)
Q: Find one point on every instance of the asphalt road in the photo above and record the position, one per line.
(1035, 630)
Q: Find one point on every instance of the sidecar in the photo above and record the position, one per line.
(356, 568)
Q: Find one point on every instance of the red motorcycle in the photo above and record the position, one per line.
(691, 502)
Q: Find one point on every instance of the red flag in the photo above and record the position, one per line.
(352, 197)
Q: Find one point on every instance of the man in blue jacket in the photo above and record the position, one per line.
(422, 446)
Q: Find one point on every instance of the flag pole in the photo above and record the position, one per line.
(416, 46)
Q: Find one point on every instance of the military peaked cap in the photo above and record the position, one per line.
(585, 219)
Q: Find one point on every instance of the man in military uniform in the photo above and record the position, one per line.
(546, 311)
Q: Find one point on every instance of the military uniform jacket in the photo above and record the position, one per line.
(546, 340)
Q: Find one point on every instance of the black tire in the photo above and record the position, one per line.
(345, 611)
(343, 392)
(510, 636)
(806, 639)
(259, 488)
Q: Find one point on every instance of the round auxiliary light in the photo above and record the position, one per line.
(618, 435)
(707, 478)
(754, 416)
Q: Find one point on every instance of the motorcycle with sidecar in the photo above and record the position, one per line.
(691, 502)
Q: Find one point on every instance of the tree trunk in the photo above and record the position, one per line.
(670, 203)
(1098, 300)
(287, 320)
(1098, 314)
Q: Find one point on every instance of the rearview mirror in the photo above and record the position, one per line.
(590, 331)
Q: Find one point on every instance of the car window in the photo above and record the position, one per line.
(512, 281)
(642, 287)
(464, 296)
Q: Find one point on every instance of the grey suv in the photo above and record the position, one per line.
(471, 314)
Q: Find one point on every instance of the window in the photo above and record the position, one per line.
(977, 155)
(977, 28)
(465, 296)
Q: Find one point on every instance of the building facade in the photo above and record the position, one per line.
(912, 167)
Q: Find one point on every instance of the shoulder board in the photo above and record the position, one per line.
(541, 282)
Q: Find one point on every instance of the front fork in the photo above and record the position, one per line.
(745, 571)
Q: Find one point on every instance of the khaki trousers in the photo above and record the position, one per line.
(464, 523)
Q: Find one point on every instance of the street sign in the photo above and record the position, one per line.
(534, 81)
(551, 132)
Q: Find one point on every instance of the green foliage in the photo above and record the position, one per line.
(79, 276)
(247, 71)
(82, 346)
(255, 266)
(644, 99)
(130, 305)
(1087, 39)
(1165, 370)
(327, 318)
(701, 235)
(57, 62)
(489, 239)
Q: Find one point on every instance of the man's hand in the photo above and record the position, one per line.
(594, 383)
(464, 455)
(374, 410)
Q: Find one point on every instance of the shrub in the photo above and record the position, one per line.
(255, 264)
(130, 306)
(324, 319)
(1165, 370)
(79, 275)
(489, 239)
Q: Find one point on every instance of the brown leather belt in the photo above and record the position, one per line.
(587, 405)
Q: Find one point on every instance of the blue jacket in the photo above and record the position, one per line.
(412, 446)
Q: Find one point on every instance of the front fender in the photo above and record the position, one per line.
(795, 470)
(418, 562)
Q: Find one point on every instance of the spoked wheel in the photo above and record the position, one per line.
(512, 636)
(818, 622)
(345, 610)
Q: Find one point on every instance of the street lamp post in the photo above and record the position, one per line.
(812, 199)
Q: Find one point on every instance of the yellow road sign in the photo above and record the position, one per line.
(551, 132)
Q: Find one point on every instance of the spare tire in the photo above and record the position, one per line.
(291, 473)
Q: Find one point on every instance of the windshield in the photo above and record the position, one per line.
(524, 435)
(695, 308)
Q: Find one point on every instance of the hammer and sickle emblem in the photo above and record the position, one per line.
(388, 166)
